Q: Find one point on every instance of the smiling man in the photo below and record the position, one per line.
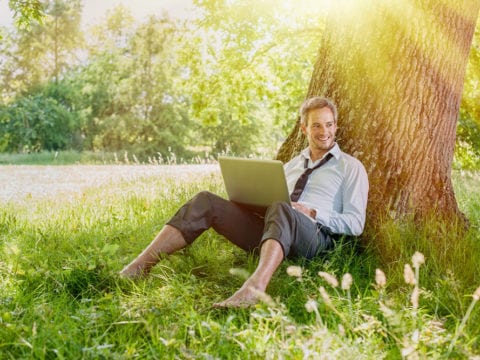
(328, 199)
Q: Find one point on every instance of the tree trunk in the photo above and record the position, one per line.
(395, 71)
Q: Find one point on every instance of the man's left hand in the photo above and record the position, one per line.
(305, 210)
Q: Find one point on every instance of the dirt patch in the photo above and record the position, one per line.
(18, 182)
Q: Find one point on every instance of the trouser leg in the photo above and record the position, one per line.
(207, 210)
(296, 232)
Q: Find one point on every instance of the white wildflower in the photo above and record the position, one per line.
(416, 336)
(476, 294)
(295, 271)
(262, 296)
(329, 278)
(407, 351)
(311, 305)
(325, 296)
(386, 310)
(290, 329)
(409, 275)
(418, 259)
(241, 273)
(347, 281)
(380, 278)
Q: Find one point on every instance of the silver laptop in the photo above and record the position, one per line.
(253, 182)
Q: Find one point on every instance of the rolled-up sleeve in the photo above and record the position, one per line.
(338, 191)
(351, 221)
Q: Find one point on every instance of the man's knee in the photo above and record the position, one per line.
(195, 216)
(280, 207)
(208, 204)
(203, 195)
(204, 199)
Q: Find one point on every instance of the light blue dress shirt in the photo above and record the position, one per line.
(338, 190)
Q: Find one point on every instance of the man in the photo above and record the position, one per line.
(333, 202)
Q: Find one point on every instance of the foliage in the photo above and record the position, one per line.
(247, 75)
(468, 130)
(61, 296)
(26, 11)
(224, 81)
(466, 157)
(36, 122)
(129, 91)
(54, 43)
(152, 86)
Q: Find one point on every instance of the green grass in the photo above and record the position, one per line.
(69, 157)
(61, 297)
(57, 158)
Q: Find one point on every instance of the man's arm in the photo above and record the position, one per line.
(351, 220)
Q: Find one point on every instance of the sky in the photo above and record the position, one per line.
(94, 10)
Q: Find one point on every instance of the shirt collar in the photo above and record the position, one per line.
(335, 151)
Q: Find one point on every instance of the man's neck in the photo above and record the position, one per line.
(318, 154)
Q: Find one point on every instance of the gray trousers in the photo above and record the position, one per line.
(297, 234)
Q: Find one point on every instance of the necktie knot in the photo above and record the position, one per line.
(302, 180)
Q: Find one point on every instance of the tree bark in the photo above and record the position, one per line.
(395, 69)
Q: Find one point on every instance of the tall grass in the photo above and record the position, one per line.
(57, 158)
(61, 297)
(68, 157)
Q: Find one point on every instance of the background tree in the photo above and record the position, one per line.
(99, 78)
(161, 121)
(54, 43)
(396, 71)
(245, 75)
(127, 86)
(468, 130)
(26, 11)
(63, 33)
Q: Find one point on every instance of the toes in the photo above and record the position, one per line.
(128, 273)
(242, 299)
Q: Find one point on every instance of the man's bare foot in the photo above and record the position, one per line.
(245, 297)
(133, 272)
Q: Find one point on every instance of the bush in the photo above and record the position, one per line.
(36, 123)
(466, 157)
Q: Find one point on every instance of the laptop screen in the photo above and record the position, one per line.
(254, 182)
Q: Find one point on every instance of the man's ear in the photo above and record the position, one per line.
(304, 128)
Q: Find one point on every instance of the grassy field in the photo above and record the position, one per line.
(61, 297)
(68, 157)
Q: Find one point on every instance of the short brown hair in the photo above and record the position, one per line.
(316, 102)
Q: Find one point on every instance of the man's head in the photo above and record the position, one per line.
(319, 125)
(316, 102)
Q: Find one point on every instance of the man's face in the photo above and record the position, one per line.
(320, 130)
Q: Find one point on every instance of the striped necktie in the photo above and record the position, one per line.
(302, 180)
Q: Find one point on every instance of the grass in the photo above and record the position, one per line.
(61, 297)
(69, 157)
(57, 158)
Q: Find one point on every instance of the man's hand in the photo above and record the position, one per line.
(305, 210)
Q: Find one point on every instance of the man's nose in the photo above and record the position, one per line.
(322, 129)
